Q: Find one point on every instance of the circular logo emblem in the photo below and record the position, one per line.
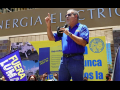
(96, 45)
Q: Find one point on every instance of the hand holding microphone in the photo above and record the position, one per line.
(61, 30)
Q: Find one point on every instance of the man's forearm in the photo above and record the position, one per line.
(78, 40)
(50, 34)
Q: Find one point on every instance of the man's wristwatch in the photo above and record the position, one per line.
(69, 34)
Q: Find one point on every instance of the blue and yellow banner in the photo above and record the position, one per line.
(95, 57)
(44, 60)
(95, 62)
(12, 68)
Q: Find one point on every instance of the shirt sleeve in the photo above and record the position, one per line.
(56, 37)
(84, 33)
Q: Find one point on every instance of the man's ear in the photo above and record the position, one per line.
(76, 16)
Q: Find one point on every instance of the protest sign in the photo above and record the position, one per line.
(12, 68)
(95, 62)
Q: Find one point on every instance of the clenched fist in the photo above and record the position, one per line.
(48, 20)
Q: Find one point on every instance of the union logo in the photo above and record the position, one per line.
(96, 45)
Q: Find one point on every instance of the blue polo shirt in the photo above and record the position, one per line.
(68, 45)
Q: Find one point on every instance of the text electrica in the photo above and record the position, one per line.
(16, 21)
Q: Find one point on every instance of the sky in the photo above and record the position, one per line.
(30, 64)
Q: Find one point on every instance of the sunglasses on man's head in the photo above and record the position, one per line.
(69, 15)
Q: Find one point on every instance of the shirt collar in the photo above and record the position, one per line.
(76, 25)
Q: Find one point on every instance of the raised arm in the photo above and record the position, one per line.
(49, 31)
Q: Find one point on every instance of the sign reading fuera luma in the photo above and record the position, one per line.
(16, 21)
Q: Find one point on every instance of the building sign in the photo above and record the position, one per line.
(33, 21)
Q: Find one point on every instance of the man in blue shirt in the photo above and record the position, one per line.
(74, 40)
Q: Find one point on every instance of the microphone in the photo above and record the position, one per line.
(65, 26)
(59, 32)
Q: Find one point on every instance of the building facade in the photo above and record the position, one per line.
(6, 10)
(24, 25)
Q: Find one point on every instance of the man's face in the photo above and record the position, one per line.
(109, 77)
(70, 17)
(85, 79)
(3, 78)
(45, 75)
(55, 75)
(32, 78)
